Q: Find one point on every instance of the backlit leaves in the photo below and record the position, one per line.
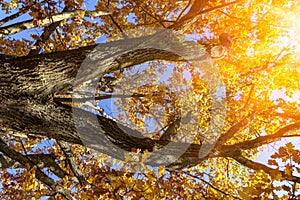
(261, 75)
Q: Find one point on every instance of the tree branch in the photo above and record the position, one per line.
(258, 166)
(234, 129)
(28, 24)
(39, 174)
(183, 10)
(66, 148)
(118, 26)
(48, 30)
(288, 115)
(97, 97)
(267, 139)
(18, 14)
(196, 9)
(211, 185)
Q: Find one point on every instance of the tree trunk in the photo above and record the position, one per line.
(28, 86)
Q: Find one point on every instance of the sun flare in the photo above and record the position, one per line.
(290, 23)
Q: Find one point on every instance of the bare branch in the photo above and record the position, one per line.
(171, 130)
(28, 24)
(97, 97)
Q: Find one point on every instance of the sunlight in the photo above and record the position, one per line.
(291, 21)
(281, 94)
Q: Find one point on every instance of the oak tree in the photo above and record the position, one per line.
(141, 100)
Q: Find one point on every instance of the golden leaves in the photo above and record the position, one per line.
(263, 58)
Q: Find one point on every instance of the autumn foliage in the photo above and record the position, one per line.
(256, 155)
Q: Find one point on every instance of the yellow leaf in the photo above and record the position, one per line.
(161, 170)
(13, 5)
(31, 186)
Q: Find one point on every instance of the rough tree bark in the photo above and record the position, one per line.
(28, 89)
(29, 85)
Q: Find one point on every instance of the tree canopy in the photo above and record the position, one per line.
(149, 99)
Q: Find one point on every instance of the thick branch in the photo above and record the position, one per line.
(258, 166)
(288, 115)
(267, 139)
